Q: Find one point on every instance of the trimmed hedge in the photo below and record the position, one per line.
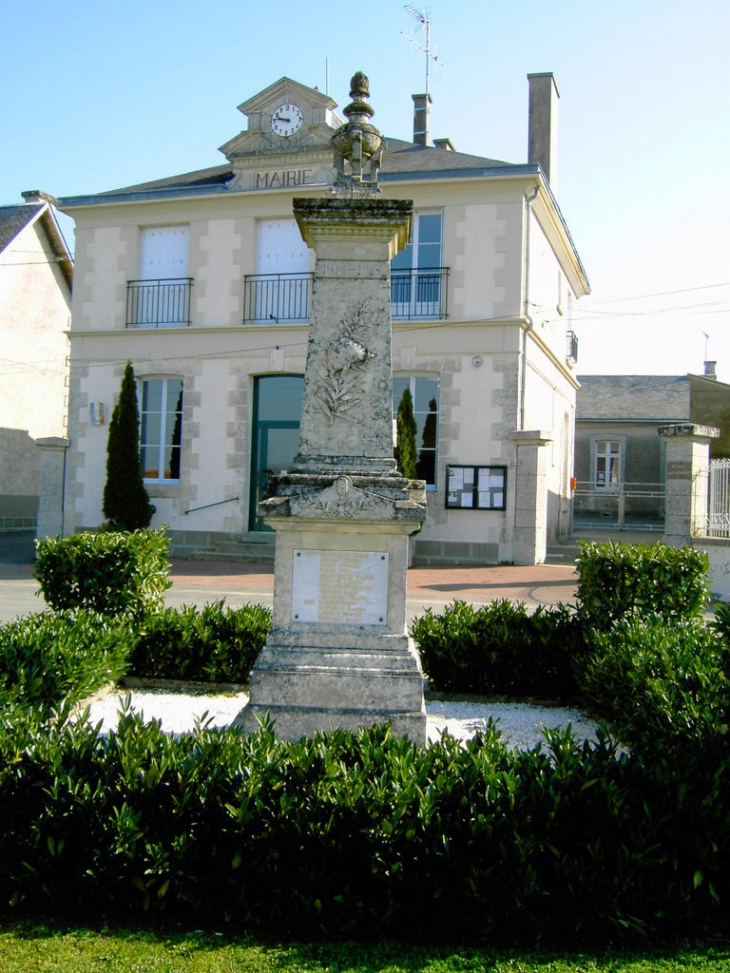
(362, 835)
(106, 572)
(618, 580)
(48, 660)
(212, 644)
(500, 649)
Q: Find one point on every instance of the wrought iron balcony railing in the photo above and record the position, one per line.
(419, 293)
(276, 298)
(159, 303)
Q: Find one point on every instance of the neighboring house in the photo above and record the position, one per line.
(203, 282)
(618, 452)
(36, 273)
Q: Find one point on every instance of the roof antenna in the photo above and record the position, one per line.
(420, 16)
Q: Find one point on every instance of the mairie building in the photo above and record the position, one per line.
(204, 283)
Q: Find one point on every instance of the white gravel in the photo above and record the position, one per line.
(521, 724)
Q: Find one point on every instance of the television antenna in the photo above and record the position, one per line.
(707, 342)
(420, 16)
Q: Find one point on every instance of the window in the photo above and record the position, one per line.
(281, 287)
(417, 277)
(161, 428)
(607, 465)
(425, 393)
(161, 296)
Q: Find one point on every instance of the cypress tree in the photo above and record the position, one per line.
(406, 430)
(126, 502)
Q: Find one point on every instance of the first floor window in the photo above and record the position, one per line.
(607, 472)
(425, 393)
(161, 428)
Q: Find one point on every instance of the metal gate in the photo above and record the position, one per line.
(718, 515)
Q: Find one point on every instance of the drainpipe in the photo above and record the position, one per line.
(529, 200)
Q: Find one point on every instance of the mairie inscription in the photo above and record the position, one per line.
(340, 587)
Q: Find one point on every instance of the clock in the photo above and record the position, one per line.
(286, 120)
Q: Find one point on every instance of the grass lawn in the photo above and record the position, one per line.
(38, 948)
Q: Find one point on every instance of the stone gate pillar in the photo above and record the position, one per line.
(531, 500)
(687, 468)
(53, 474)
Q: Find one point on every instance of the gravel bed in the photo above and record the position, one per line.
(521, 724)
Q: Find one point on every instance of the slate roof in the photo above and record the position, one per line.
(627, 398)
(15, 218)
(400, 158)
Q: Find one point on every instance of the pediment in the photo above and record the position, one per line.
(286, 90)
(320, 121)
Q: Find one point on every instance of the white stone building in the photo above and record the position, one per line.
(203, 282)
(36, 273)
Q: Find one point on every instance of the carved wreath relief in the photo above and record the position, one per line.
(341, 387)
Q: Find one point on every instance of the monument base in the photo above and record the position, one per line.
(338, 654)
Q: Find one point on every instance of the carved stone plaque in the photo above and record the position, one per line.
(346, 587)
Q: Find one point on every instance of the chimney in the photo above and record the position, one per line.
(444, 144)
(38, 196)
(421, 118)
(543, 125)
(710, 370)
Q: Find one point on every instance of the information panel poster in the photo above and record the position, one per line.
(476, 487)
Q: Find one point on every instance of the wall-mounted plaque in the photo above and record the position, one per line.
(476, 487)
(345, 587)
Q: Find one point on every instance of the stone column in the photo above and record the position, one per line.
(687, 472)
(531, 500)
(53, 474)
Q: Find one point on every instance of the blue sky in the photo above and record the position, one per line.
(98, 95)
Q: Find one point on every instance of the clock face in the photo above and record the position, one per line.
(286, 120)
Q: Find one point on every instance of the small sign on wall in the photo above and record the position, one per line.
(476, 487)
(97, 413)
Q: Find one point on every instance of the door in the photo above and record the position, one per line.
(277, 415)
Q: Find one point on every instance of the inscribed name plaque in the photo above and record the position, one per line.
(349, 587)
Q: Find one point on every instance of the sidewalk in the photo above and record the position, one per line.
(200, 582)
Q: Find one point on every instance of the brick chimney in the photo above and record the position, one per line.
(710, 370)
(421, 119)
(543, 125)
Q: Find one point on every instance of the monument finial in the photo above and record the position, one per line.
(358, 143)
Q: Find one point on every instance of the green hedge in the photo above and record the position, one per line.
(361, 835)
(48, 660)
(212, 644)
(617, 580)
(499, 648)
(658, 680)
(107, 572)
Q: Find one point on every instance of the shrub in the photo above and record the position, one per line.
(108, 572)
(359, 835)
(126, 501)
(216, 644)
(499, 648)
(616, 580)
(48, 660)
(659, 681)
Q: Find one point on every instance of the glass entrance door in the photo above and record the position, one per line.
(277, 414)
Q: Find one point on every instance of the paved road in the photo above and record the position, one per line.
(195, 582)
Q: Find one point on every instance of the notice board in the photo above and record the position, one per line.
(476, 487)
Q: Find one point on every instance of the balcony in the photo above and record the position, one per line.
(419, 294)
(276, 298)
(159, 303)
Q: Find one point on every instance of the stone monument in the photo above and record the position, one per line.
(338, 654)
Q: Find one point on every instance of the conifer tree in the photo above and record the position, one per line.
(406, 430)
(126, 501)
